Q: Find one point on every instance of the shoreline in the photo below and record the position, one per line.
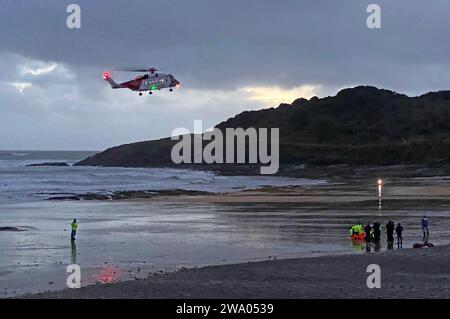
(331, 190)
(288, 220)
(409, 273)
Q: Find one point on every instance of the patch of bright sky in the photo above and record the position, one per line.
(274, 95)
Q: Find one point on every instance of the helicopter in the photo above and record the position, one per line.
(150, 81)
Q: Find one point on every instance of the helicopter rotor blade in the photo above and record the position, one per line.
(152, 69)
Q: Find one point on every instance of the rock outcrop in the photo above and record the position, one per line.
(358, 126)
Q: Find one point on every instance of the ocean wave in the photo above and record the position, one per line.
(200, 181)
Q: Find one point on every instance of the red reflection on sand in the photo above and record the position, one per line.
(107, 275)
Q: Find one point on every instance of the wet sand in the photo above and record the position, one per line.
(410, 273)
(130, 239)
(337, 191)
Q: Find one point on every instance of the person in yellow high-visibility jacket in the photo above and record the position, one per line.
(356, 230)
(74, 227)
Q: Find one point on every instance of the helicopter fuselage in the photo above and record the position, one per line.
(153, 82)
(147, 82)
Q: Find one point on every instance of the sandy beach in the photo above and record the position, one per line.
(411, 273)
(270, 242)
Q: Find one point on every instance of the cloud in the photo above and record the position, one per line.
(229, 56)
(44, 69)
(21, 86)
(83, 112)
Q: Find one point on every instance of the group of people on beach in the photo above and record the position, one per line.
(372, 233)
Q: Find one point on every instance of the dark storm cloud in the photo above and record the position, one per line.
(220, 50)
(226, 44)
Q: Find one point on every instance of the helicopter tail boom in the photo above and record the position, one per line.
(108, 79)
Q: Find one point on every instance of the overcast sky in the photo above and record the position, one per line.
(229, 56)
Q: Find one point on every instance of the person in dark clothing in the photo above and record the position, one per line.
(399, 231)
(367, 230)
(390, 231)
(376, 232)
(426, 232)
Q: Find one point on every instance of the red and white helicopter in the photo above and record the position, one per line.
(151, 81)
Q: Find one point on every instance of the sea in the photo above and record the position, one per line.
(21, 183)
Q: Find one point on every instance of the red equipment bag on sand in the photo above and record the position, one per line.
(420, 245)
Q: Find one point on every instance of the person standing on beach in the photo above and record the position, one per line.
(376, 232)
(390, 231)
(424, 223)
(367, 230)
(399, 231)
(74, 227)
